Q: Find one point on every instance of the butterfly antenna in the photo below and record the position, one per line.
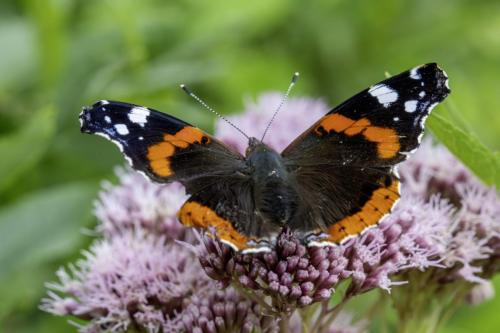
(295, 77)
(199, 100)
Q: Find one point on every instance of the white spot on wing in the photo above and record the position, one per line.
(395, 118)
(414, 74)
(104, 102)
(384, 94)
(411, 106)
(122, 129)
(139, 115)
(107, 119)
(422, 94)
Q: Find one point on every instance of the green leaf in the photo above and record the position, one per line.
(22, 150)
(22, 291)
(43, 226)
(50, 19)
(19, 35)
(467, 147)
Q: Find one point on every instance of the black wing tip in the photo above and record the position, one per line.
(85, 117)
(92, 116)
(441, 78)
(442, 81)
(436, 76)
(89, 116)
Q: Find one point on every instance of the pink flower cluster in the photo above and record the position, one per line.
(468, 239)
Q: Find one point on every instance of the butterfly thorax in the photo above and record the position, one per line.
(274, 192)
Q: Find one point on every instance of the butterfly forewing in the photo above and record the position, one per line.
(161, 146)
(381, 124)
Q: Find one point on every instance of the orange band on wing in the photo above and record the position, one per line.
(161, 167)
(387, 139)
(379, 204)
(193, 214)
(159, 154)
(358, 127)
(336, 122)
(186, 136)
(160, 151)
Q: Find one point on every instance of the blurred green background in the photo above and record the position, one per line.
(58, 55)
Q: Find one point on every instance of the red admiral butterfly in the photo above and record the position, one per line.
(330, 184)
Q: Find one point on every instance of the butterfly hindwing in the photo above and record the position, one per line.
(343, 164)
(228, 207)
(340, 203)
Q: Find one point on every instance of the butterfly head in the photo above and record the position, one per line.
(255, 146)
(263, 160)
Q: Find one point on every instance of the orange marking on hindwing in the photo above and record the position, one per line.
(387, 139)
(379, 204)
(193, 214)
(159, 154)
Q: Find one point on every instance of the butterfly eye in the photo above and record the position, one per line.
(204, 140)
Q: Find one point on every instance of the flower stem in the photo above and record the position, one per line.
(333, 313)
(328, 315)
(310, 313)
(284, 323)
(268, 310)
(319, 318)
(423, 306)
(458, 300)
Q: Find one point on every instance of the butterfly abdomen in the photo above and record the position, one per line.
(278, 202)
(275, 196)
